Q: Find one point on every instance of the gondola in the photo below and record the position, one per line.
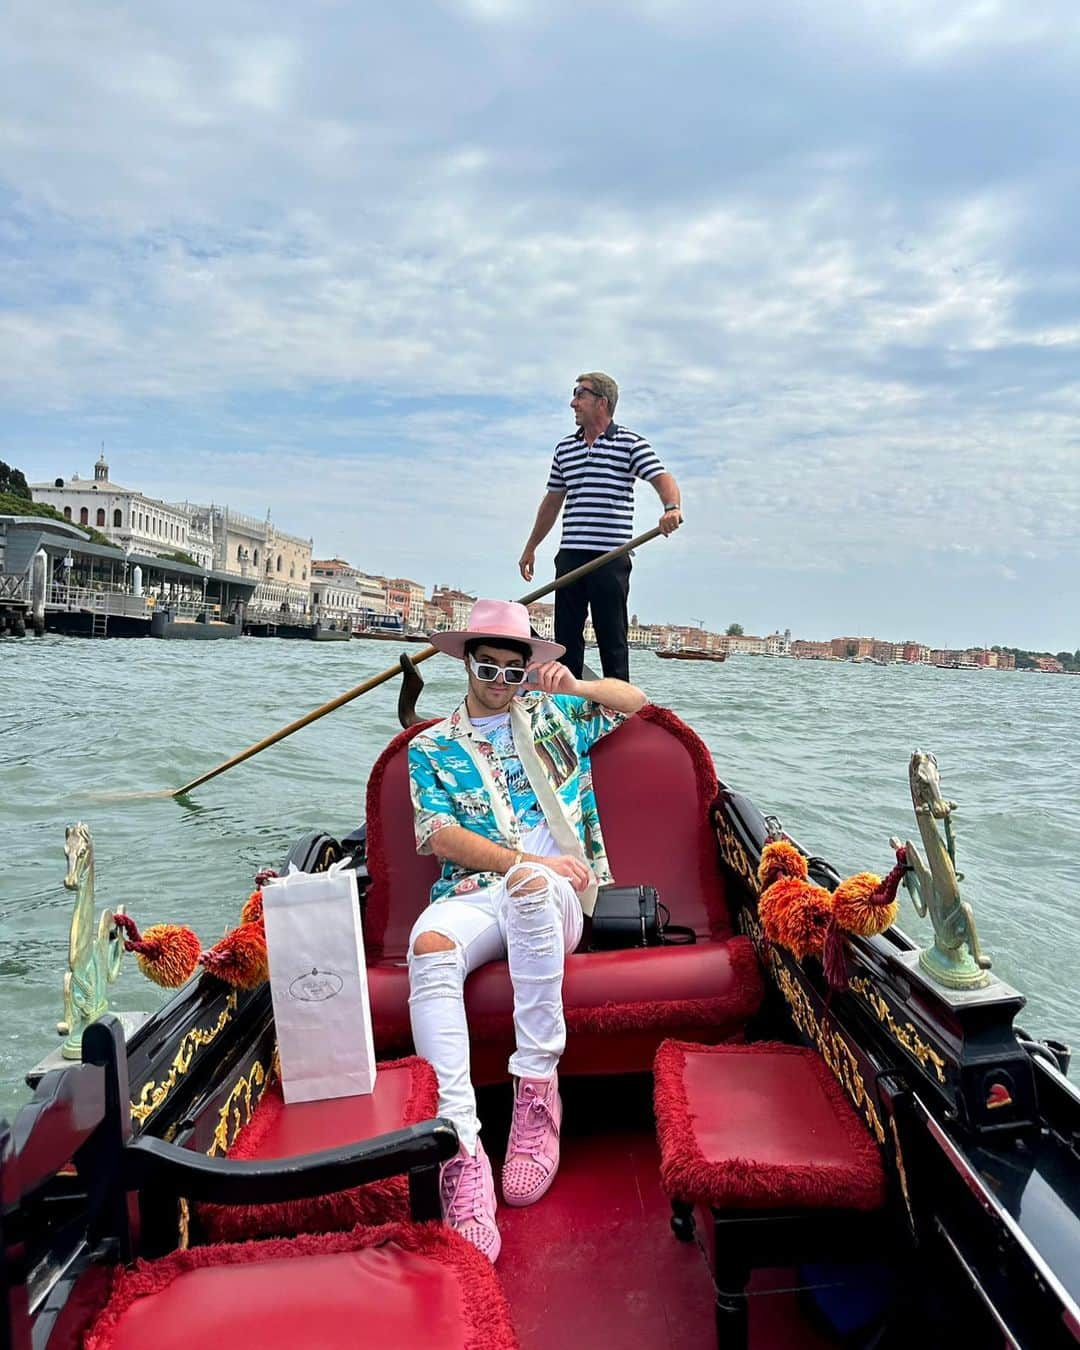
(962, 1133)
(691, 655)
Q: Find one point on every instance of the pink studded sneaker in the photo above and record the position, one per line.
(532, 1154)
(468, 1201)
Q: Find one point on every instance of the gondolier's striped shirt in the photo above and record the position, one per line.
(598, 513)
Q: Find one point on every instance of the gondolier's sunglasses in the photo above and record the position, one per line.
(489, 672)
(580, 389)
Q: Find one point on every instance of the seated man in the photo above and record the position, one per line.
(502, 794)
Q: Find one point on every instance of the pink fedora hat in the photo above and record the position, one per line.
(495, 619)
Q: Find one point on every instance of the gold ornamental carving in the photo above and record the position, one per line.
(904, 1034)
(734, 855)
(237, 1109)
(154, 1095)
(901, 1172)
(831, 1045)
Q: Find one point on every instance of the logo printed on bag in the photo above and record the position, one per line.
(316, 986)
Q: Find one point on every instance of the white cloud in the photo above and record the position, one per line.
(829, 260)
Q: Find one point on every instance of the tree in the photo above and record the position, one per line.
(734, 630)
(12, 480)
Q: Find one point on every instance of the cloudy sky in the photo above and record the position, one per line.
(343, 262)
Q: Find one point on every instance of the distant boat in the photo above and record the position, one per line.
(692, 655)
(388, 635)
(165, 624)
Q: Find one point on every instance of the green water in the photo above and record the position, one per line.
(823, 745)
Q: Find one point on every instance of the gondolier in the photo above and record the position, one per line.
(593, 472)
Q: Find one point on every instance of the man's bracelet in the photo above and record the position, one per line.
(518, 857)
(673, 506)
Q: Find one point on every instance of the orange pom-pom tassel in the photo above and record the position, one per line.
(167, 953)
(866, 904)
(253, 908)
(861, 907)
(780, 859)
(773, 905)
(803, 924)
(240, 957)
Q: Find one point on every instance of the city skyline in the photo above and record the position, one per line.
(84, 482)
(347, 268)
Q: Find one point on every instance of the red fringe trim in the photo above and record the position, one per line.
(742, 1183)
(484, 1310)
(375, 1202)
(377, 901)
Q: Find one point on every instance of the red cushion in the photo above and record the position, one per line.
(707, 990)
(762, 1126)
(405, 1094)
(401, 1285)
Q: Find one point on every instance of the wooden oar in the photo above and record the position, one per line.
(375, 680)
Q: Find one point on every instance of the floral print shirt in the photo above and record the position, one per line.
(448, 788)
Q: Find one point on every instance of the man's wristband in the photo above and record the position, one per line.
(518, 857)
(673, 506)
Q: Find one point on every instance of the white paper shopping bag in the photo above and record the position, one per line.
(318, 983)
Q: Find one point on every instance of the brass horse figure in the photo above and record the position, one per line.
(956, 959)
(93, 958)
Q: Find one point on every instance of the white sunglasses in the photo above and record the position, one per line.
(488, 671)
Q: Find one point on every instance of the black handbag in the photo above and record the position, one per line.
(633, 916)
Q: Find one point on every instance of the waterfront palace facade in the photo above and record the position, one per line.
(214, 537)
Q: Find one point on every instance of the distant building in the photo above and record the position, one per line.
(851, 647)
(129, 519)
(336, 595)
(542, 618)
(916, 652)
(454, 605)
(746, 644)
(248, 547)
(807, 650)
(778, 644)
(1050, 664)
(406, 599)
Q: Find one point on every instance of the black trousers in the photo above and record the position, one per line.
(605, 593)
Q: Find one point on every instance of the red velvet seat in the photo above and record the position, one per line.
(403, 1285)
(762, 1126)
(405, 1094)
(655, 784)
(765, 1138)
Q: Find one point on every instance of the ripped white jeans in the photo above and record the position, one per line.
(533, 918)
